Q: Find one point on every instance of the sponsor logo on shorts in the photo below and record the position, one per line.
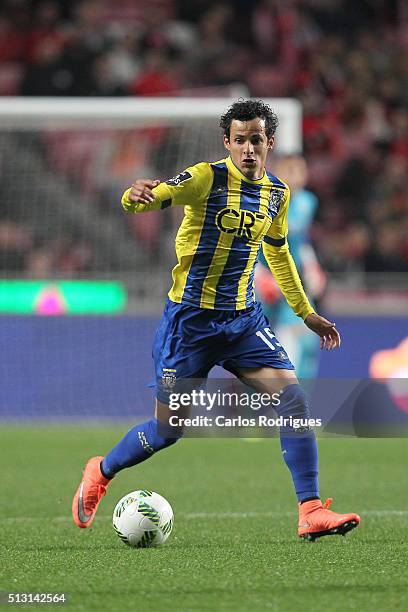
(169, 379)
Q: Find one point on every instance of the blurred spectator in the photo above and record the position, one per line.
(46, 28)
(12, 41)
(123, 58)
(15, 243)
(158, 77)
(47, 75)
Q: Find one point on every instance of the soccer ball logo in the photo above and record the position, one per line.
(143, 519)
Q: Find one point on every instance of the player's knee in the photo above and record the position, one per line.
(294, 406)
(293, 402)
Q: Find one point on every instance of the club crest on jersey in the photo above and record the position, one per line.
(179, 178)
(169, 379)
(275, 201)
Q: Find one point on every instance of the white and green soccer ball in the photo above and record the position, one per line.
(143, 519)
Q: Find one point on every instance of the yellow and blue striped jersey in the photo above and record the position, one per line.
(227, 217)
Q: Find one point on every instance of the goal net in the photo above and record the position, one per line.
(66, 247)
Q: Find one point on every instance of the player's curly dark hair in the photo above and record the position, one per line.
(245, 110)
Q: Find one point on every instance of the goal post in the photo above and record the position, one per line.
(63, 113)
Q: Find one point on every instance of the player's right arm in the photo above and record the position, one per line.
(283, 268)
(139, 193)
(147, 194)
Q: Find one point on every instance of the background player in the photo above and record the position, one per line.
(232, 207)
(301, 346)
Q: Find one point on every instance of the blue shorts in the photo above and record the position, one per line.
(190, 341)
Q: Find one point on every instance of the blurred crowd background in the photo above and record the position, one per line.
(344, 60)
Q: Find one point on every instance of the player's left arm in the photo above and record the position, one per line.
(280, 261)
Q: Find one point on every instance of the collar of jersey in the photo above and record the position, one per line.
(238, 174)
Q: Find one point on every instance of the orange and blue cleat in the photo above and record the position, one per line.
(89, 493)
(316, 520)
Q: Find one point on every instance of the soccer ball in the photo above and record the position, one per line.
(143, 519)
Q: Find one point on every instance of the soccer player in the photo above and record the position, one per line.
(232, 208)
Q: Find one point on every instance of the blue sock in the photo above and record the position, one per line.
(140, 443)
(298, 445)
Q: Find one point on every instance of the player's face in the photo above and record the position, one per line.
(249, 145)
(293, 170)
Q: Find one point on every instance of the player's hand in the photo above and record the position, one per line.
(329, 336)
(141, 191)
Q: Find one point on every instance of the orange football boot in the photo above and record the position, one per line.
(316, 520)
(89, 493)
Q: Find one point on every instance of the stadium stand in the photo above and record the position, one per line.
(344, 60)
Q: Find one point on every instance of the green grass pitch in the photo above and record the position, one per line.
(234, 545)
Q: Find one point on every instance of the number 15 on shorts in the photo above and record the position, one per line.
(269, 338)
